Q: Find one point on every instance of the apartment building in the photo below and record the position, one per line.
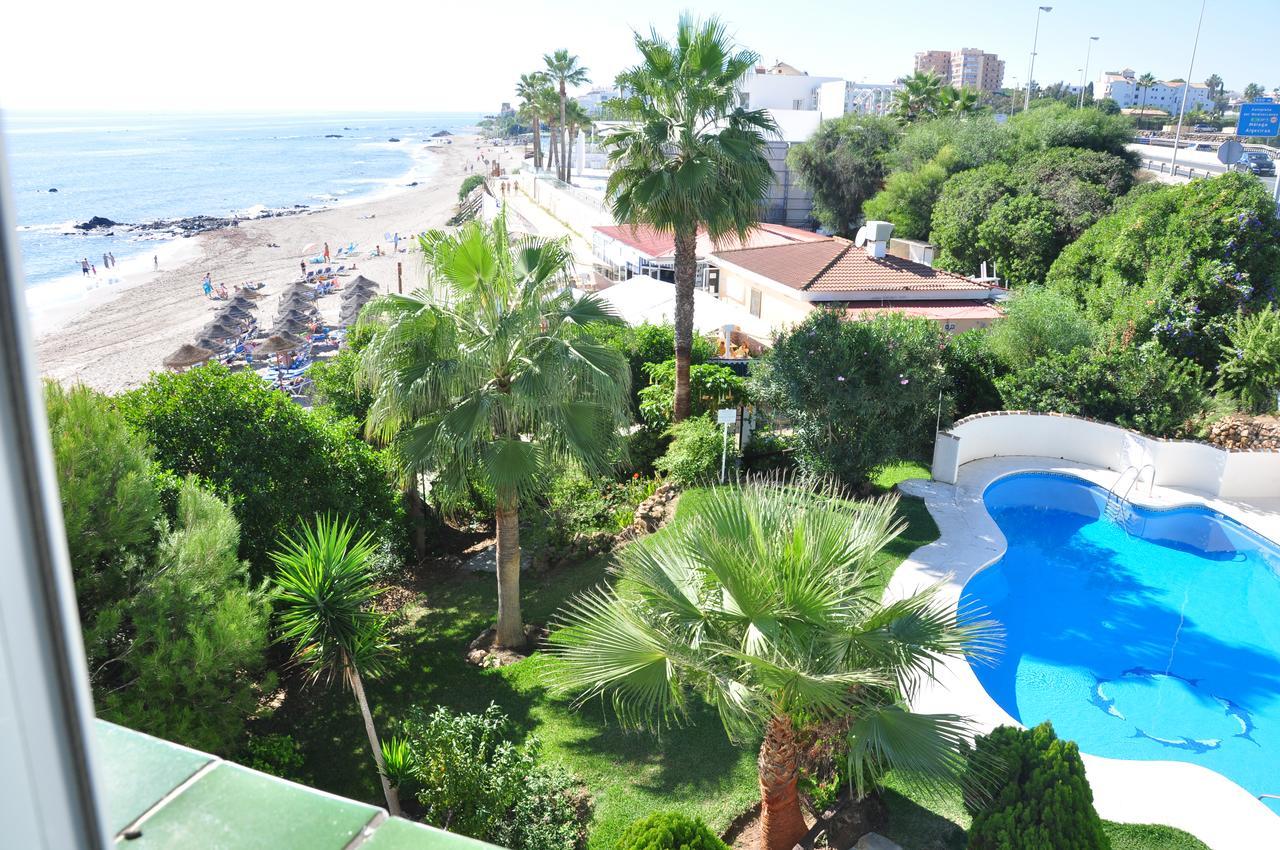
(1123, 88)
(968, 67)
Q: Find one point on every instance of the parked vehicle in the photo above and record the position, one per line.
(1256, 162)
(1204, 128)
(1205, 146)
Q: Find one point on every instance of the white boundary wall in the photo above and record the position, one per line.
(1178, 463)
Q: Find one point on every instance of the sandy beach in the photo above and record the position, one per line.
(114, 337)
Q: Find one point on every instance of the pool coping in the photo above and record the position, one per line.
(1187, 796)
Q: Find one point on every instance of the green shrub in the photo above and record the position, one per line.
(1139, 387)
(857, 394)
(768, 451)
(469, 183)
(843, 164)
(711, 387)
(473, 779)
(695, 453)
(1250, 366)
(1037, 797)
(335, 386)
(669, 831)
(174, 634)
(277, 754)
(646, 343)
(972, 368)
(1038, 323)
(277, 463)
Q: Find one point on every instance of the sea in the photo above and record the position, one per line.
(141, 168)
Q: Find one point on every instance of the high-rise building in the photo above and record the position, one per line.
(968, 68)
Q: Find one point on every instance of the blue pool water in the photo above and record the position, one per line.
(1141, 635)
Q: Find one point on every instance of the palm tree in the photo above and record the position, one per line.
(1214, 84)
(324, 593)
(768, 602)
(530, 91)
(548, 106)
(490, 375)
(564, 70)
(920, 97)
(1145, 82)
(692, 157)
(954, 101)
(1252, 92)
(578, 120)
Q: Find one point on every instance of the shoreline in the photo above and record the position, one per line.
(115, 336)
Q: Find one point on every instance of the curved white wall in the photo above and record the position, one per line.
(1178, 463)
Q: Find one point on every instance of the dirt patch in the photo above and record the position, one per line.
(482, 653)
(744, 832)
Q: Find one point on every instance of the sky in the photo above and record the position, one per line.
(428, 55)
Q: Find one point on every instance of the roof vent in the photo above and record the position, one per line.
(874, 236)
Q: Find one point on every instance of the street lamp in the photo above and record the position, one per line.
(1031, 69)
(1085, 76)
(1186, 88)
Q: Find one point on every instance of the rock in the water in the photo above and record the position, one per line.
(96, 222)
(393, 139)
(53, 190)
(333, 135)
(439, 133)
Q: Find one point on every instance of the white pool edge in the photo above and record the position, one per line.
(1190, 797)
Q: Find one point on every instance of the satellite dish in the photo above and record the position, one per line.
(1230, 151)
(861, 238)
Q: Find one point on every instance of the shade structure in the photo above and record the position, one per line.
(299, 288)
(249, 294)
(277, 343)
(242, 302)
(221, 329)
(211, 344)
(294, 301)
(187, 355)
(292, 326)
(360, 286)
(297, 316)
(233, 313)
(358, 299)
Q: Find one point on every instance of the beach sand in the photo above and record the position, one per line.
(114, 337)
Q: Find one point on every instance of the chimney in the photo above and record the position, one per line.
(876, 237)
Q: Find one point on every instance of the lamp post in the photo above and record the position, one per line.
(1031, 69)
(1085, 76)
(1186, 89)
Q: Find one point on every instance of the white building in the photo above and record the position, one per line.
(593, 101)
(781, 87)
(1123, 88)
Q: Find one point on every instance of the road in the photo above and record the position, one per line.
(1200, 161)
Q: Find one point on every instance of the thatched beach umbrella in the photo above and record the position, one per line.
(243, 302)
(220, 329)
(233, 313)
(187, 355)
(211, 344)
(277, 343)
(299, 288)
(360, 285)
(292, 326)
(295, 301)
(249, 294)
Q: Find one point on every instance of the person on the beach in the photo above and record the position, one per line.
(112, 255)
(207, 287)
(155, 260)
(397, 241)
(303, 265)
(84, 266)
(93, 269)
(326, 252)
(106, 264)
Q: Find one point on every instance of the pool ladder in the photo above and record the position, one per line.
(1118, 507)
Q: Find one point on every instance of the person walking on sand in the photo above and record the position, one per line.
(93, 268)
(326, 252)
(84, 266)
(106, 264)
(155, 260)
(112, 255)
(303, 265)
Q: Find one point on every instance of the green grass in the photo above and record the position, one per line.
(693, 769)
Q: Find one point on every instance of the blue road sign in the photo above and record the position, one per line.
(1259, 119)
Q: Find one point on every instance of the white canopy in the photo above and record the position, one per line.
(644, 299)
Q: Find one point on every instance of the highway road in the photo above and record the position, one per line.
(1200, 161)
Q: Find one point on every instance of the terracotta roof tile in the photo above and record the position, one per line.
(657, 244)
(836, 265)
(937, 310)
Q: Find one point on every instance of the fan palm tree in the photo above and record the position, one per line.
(531, 90)
(578, 120)
(1214, 84)
(549, 107)
(768, 603)
(564, 70)
(920, 97)
(692, 158)
(954, 101)
(324, 593)
(1145, 82)
(489, 374)
(1252, 92)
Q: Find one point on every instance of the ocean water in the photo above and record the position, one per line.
(144, 168)
(1140, 634)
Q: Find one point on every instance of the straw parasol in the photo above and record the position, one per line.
(211, 344)
(359, 285)
(277, 343)
(220, 329)
(243, 301)
(299, 288)
(233, 312)
(249, 294)
(292, 326)
(187, 355)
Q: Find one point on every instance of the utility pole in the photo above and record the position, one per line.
(1031, 70)
(1186, 89)
(400, 277)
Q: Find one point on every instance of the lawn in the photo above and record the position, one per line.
(693, 768)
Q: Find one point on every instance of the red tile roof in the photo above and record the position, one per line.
(656, 244)
(941, 311)
(837, 265)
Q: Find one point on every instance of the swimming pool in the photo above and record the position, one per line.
(1142, 634)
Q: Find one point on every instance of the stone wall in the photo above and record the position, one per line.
(1246, 433)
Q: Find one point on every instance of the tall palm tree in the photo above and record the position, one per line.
(1145, 82)
(693, 157)
(489, 374)
(548, 104)
(530, 91)
(920, 97)
(565, 70)
(768, 603)
(1214, 84)
(579, 121)
(324, 593)
(1252, 92)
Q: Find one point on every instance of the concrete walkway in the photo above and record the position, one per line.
(1187, 796)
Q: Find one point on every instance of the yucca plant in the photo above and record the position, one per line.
(769, 604)
(324, 594)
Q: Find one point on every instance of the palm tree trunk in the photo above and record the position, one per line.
(564, 131)
(551, 147)
(357, 686)
(781, 821)
(510, 626)
(417, 518)
(686, 263)
(537, 143)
